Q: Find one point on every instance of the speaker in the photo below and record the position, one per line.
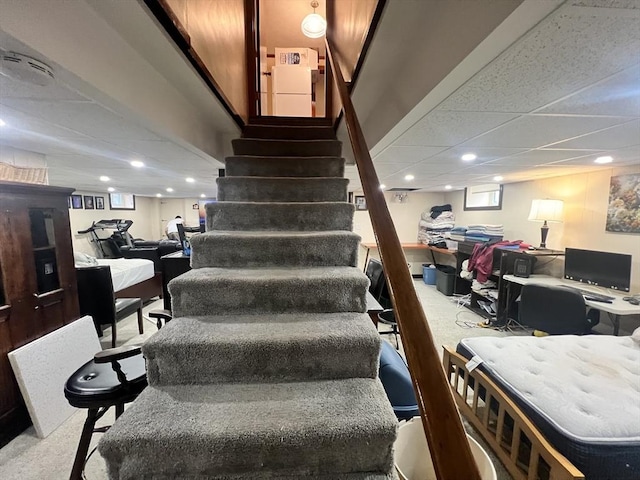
(522, 267)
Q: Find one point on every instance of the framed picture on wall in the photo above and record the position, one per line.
(623, 211)
(99, 203)
(360, 202)
(76, 201)
(122, 201)
(88, 202)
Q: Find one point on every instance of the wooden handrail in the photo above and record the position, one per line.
(450, 452)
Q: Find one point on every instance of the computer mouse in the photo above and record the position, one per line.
(634, 301)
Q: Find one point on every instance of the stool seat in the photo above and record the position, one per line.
(96, 385)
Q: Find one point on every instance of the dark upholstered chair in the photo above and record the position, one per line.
(112, 378)
(378, 289)
(555, 310)
(96, 296)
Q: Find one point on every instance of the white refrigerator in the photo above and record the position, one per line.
(291, 91)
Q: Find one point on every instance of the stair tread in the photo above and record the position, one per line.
(259, 274)
(323, 427)
(213, 329)
(263, 348)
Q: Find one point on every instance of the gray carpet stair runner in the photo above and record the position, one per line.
(269, 368)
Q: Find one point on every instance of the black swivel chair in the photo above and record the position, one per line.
(378, 289)
(112, 378)
(555, 310)
(96, 297)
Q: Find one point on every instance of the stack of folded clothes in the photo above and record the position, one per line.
(435, 224)
(456, 233)
(484, 233)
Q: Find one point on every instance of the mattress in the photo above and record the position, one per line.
(582, 392)
(128, 271)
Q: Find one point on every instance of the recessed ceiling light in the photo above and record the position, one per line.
(137, 163)
(448, 187)
(606, 159)
(409, 177)
(2, 123)
(111, 189)
(158, 195)
(382, 186)
(498, 178)
(169, 189)
(469, 157)
(202, 195)
(104, 178)
(189, 180)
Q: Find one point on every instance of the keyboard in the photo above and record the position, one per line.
(596, 297)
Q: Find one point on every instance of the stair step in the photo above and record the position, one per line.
(287, 249)
(264, 166)
(289, 132)
(282, 189)
(291, 121)
(328, 428)
(263, 348)
(250, 291)
(286, 148)
(301, 216)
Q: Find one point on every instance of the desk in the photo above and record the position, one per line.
(411, 246)
(618, 308)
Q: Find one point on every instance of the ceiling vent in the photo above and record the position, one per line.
(25, 69)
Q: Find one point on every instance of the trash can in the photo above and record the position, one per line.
(412, 459)
(429, 273)
(445, 279)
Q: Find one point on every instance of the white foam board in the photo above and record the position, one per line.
(43, 366)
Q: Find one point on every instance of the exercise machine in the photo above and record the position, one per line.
(110, 246)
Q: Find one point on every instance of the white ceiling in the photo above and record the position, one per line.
(561, 92)
(558, 97)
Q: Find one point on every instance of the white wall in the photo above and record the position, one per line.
(585, 196)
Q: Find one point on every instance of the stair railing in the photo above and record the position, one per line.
(448, 444)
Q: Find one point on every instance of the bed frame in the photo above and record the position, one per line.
(510, 434)
(145, 290)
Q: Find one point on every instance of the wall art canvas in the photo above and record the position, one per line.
(623, 213)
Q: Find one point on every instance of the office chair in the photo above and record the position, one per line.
(112, 378)
(378, 289)
(556, 310)
(396, 380)
(97, 299)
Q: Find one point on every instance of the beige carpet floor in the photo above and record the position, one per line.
(30, 458)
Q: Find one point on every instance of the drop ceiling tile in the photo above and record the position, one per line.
(161, 150)
(534, 131)
(538, 157)
(25, 123)
(571, 49)
(617, 96)
(620, 136)
(453, 156)
(88, 118)
(442, 128)
(398, 154)
(10, 88)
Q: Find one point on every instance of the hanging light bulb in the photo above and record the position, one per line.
(313, 25)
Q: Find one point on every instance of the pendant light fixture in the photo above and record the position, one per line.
(313, 25)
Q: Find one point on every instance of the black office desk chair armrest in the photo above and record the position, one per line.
(161, 315)
(118, 353)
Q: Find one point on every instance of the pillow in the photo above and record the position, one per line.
(83, 260)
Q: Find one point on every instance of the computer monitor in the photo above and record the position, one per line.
(604, 269)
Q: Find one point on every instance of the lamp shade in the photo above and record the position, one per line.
(314, 26)
(546, 210)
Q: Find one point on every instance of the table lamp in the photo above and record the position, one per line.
(545, 210)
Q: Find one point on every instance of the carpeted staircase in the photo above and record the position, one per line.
(269, 368)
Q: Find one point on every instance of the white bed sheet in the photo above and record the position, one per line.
(128, 271)
(588, 386)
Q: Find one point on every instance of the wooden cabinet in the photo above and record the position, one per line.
(38, 290)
